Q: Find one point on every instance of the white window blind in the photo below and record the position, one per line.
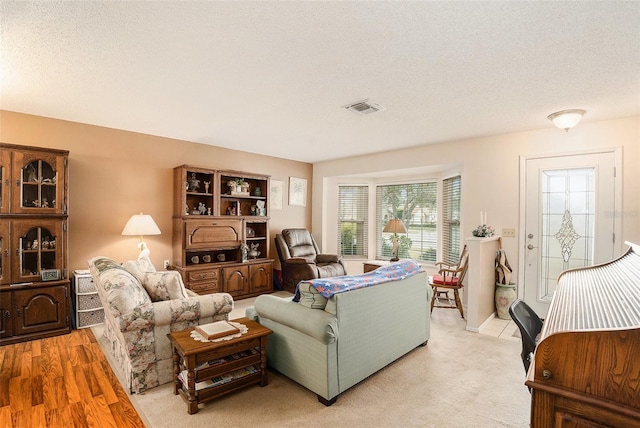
(353, 205)
(451, 220)
(416, 205)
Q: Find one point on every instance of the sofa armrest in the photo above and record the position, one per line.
(316, 323)
(177, 310)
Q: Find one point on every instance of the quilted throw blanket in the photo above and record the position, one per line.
(327, 287)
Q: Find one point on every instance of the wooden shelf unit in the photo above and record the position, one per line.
(34, 285)
(212, 220)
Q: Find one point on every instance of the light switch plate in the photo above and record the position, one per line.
(508, 232)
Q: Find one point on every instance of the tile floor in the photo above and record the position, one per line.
(504, 329)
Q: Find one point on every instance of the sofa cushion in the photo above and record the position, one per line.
(441, 280)
(122, 290)
(165, 285)
(310, 297)
(139, 267)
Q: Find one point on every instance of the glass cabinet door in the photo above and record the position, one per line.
(5, 180)
(38, 246)
(40, 179)
(4, 253)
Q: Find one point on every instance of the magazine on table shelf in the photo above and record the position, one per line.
(219, 380)
(218, 361)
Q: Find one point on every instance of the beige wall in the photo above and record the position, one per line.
(114, 174)
(490, 170)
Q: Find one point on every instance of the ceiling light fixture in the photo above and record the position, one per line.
(566, 119)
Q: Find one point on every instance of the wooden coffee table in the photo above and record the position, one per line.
(213, 369)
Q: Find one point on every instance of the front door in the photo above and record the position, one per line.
(569, 219)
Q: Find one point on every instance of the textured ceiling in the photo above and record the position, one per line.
(272, 77)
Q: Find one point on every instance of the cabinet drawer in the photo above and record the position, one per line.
(89, 318)
(84, 284)
(89, 301)
(203, 275)
(205, 287)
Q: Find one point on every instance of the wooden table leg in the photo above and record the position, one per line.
(263, 361)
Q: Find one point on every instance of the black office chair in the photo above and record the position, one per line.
(530, 325)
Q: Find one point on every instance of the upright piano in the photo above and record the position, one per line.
(586, 367)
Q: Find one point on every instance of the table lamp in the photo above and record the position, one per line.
(395, 226)
(141, 224)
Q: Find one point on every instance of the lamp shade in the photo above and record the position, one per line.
(395, 225)
(566, 119)
(141, 224)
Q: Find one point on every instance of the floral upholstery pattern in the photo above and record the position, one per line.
(164, 285)
(137, 327)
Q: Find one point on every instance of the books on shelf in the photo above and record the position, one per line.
(221, 379)
(214, 330)
(228, 358)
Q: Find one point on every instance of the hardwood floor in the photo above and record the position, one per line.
(60, 382)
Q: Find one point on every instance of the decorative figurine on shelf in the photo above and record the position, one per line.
(253, 252)
(208, 211)
(206, 186)
(257, 191)
(194, 183)
(45, 244)
(245, 251)
(202, 209)
(35, 244)
(45, 203)
(32, 175)
(52, 244)
(232, 186)
(260, 208)
(186, 209)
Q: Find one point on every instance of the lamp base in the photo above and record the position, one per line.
(394, 259)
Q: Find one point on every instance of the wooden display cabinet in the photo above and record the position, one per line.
(34, 284)
(207, 242)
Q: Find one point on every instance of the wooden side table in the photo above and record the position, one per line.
(203, 371)
(371, 265)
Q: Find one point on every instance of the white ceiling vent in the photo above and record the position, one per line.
(364, 107)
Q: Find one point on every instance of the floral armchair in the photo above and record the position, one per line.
(141, 306)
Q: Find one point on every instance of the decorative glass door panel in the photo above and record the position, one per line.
(38, 247)
(569, 219)
(39, 180)
(567, 233)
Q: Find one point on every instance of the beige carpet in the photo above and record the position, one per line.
(460, 379)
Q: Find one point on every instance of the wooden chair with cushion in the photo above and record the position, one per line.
(449, 277)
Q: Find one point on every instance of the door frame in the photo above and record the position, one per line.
(616, 212)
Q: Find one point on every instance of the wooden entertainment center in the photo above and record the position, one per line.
(221, 231)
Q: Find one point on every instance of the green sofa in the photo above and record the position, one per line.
(329, 348)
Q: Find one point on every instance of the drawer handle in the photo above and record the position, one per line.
(547, 374)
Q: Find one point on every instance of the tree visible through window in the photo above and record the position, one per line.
(353, 206)
(416, 205)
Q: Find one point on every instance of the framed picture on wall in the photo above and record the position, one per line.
(297, 191)
(276, 194)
